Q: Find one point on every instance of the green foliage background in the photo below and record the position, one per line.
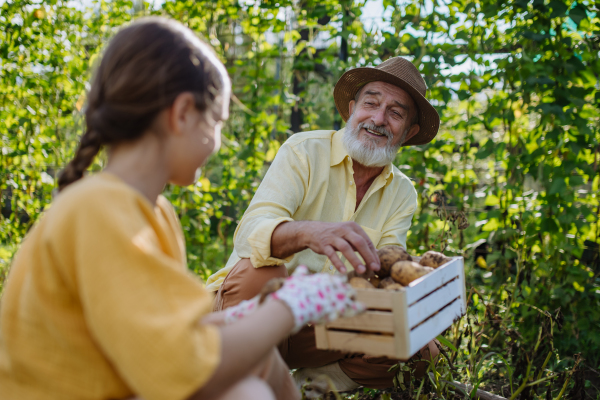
(516, 85)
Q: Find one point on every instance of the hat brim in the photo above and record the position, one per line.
(346, 88)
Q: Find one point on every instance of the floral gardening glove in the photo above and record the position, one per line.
(240, 310)
(317, 298)
(246, 307)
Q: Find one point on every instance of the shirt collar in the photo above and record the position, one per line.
(338, 151)
(339, 154)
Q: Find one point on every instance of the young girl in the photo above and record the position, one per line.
(99, 303)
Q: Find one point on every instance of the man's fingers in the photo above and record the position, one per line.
(371, 258)
(335, 260)
(343, 246)
(362, 246)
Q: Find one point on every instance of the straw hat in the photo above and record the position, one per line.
(397, 71)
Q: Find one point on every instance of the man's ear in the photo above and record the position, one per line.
(351, 106)
(413, 130)
(180, 113)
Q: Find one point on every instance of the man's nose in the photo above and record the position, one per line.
(378, 117)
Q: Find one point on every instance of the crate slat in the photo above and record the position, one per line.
(401, 327)
(377, 299)
(430, 329)
(321, 337)
(377, 345)
(428, 283)
(370, 321)
(423, 309)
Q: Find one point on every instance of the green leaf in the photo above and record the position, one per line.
(578, 13)
(446, 343)
(558, 185)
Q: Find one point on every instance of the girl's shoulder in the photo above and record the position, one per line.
(102, 195)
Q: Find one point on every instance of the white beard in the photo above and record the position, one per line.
(366, 151)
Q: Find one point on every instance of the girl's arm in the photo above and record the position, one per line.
(302, 299)
(244, 344)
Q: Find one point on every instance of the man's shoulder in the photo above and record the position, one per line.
(400, 179)
(300, 138)
(399, 174)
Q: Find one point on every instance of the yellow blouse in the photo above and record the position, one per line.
(99, 303)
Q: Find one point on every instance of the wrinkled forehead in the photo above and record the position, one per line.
(388, 92)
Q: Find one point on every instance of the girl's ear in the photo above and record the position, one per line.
(181, 113)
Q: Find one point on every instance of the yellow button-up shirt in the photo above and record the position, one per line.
(311, 179)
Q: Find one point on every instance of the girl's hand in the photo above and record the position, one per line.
(317, 298)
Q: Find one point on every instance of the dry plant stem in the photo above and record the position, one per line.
(564, 388)
(481, 394)
(443, 353)
(544, 365)
(443, 233)
(512, 298)
(525, 383)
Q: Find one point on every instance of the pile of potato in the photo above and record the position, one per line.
(398, 269)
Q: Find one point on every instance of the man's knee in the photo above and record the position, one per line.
(249, 388)
(428, 354)
(244, 282)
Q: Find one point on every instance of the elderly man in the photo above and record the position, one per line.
(328, 192)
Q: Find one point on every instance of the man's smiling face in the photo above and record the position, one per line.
(387, 107)
(381, 120)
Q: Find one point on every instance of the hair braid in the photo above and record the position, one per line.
(89, 146)
(143, 70)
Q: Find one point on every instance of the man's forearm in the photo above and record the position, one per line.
(287, 239)
(326, 238)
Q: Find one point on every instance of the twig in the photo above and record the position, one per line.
(481, 394)
(443, 353)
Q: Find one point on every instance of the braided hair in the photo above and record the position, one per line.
(143, 70)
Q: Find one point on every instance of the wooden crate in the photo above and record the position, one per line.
(399, 323)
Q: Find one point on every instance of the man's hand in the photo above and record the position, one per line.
(326, 238)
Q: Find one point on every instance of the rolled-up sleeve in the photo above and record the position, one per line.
(277, 198)
(396, 227)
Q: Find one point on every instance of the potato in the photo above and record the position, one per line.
(388, 255)
(375, 281)
(351, 274)
(404, 272)
(361, 283)
(433, 259)
(386, 282)
(394, 286)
